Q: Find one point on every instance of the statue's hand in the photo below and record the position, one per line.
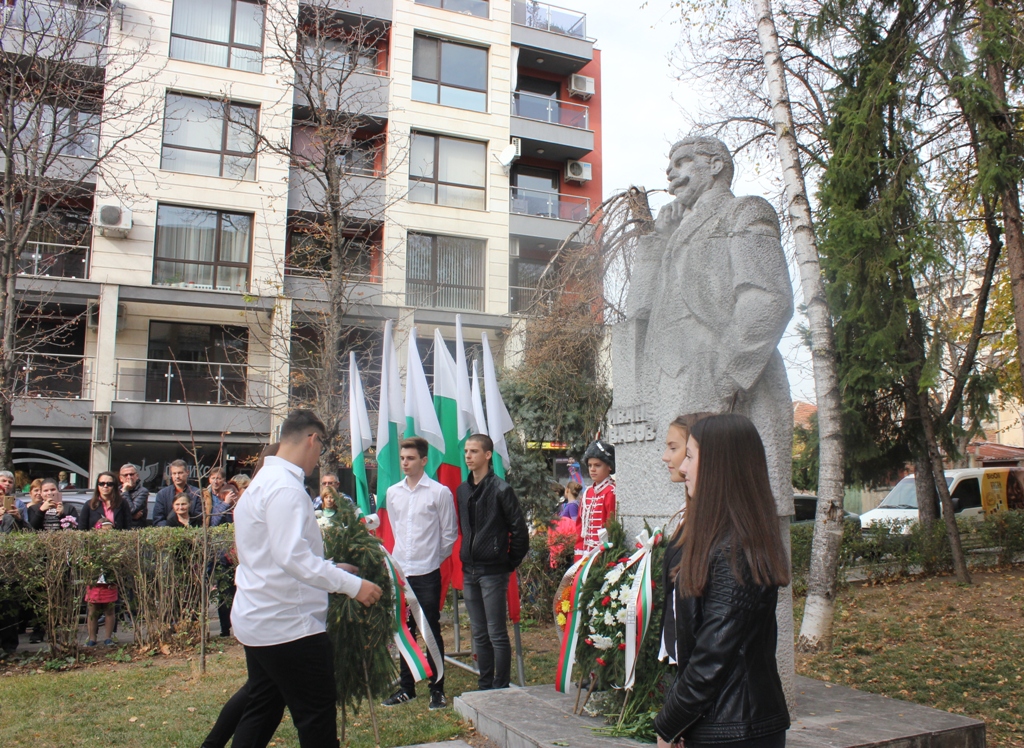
(669, 217)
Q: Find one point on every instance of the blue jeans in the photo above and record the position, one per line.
(486, 602)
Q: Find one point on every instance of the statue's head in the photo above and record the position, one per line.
(695, 165)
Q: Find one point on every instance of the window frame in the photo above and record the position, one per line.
(439, 83)
(226, 121)
(230, 44)
(436, 181)
(435, 286)
(216, 263)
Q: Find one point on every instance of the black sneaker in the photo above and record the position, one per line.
(438, 701)
(398, 697)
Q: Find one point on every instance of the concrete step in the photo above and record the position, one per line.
(826, 715)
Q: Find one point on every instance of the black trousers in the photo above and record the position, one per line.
(299, 675)
(778, 740)
(229, 717)
(427, 588)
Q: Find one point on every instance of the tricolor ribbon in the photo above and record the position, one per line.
(640, 602)
(404, 640)
(578, 574)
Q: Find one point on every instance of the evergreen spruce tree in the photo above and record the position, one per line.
(363, 666)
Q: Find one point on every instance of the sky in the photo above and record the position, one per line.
(645, 109)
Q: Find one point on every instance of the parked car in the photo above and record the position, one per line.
(78, 499)
(806, 506)
(975, 493)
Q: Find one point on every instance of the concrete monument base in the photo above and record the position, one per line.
(826, 715)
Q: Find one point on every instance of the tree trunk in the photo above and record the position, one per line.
(1013, 231)
(938, 471)
(816, 627)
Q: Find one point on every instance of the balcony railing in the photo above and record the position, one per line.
(195, 382)
(549, 18)
(526, 202)
(546, 109)
(65, 31)
(55, 260)
(56, 375)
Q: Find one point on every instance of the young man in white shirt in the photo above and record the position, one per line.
(280, 605)
(422, 514)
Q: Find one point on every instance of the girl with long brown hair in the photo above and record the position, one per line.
(726, 563)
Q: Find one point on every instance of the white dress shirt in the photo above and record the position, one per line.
(424, 524)
(282, 578)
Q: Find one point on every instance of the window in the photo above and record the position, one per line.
(444, 272)
(205, 136)
(202, 248)
(967, 495)
(226, 33)
(448, 73)
(472, 7)
(447, 171)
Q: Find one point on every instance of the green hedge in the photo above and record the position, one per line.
(159, 573)
(884, 551)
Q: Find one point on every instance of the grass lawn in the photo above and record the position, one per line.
(928, 641)
(933, 642)
(163, 702)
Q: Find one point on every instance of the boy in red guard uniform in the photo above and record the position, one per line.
(597, 507)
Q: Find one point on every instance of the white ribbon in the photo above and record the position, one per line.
(646, 544)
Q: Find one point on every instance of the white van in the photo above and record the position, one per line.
(975, 493)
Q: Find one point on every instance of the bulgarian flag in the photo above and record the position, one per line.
(359, 428)
(480, 425)
(454, 407)
(499, 422)
(420, 417)
(390, 418)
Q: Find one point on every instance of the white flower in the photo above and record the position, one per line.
(609, 619)
(621, 615)
(602, 642)
(613, 576)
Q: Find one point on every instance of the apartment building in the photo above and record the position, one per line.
(473, 152)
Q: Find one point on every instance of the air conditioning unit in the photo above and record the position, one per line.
(518, 143)
(112, 220)
(581, 86)
(578, 171)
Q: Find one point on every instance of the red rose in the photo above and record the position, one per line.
(589, 642)
(653, 585)
(601, 662)
(622, 645)
(624, 560)
(606, 601)
(611, 564)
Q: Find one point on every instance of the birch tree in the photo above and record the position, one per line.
(816, 627)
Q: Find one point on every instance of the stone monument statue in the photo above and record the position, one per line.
(708, 302)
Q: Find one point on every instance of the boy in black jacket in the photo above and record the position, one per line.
(494, 542)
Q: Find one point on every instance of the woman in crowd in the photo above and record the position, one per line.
(725, 565)
(49, 512)
(105, 511)
(180, 516)
(106, 503)
(569, 506)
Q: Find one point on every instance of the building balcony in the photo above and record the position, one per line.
(50, 260)
(556, 129)
(548, 215)
(65, 32)
(58, 376)
(557, 35)
(362, 93)
(380, 10)
(363, 194)
(190, 382)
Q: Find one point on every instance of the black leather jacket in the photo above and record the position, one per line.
(727, 687)
(494, 535)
